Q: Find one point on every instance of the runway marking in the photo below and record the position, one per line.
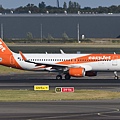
(115, 111)
(66, 116)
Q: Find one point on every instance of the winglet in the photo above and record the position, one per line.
(62, 51)
(23, 57)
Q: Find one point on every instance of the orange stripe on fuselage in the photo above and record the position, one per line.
(39, 67)
(91, 58)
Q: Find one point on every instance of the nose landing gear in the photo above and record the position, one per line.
(116, 76)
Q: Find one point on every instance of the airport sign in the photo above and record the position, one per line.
(64, 89)
(41, 87)
(67, 89)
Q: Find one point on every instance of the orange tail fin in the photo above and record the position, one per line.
(3, 48)
(6, 56)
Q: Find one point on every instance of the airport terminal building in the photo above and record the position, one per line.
(42, 25)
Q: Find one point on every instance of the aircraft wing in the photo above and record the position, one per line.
(47, 64)
(38, 64)
(86, 67)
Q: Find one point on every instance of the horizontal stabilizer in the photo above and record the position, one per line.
(23, 57)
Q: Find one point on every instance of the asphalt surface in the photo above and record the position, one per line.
(104, 81)
(57, 110)
(61, 110)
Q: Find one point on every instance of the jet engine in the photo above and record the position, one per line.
(77, 72)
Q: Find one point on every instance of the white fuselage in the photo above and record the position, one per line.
(96, 65)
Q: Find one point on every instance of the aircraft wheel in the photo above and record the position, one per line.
(116, 77)
(67, 76)
(59, 77)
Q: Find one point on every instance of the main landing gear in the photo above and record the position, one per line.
(67, 77)
(59, 77)
(116, 76)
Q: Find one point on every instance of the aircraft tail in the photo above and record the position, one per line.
(6, 56)
(3, 48)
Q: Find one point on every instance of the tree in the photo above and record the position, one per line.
(72, 7)
(113, 9)
(65, 36)
(28, 5)
(42, 5)
(50, 37)
(1, 9)
(118, 9)
(78, 6)
(29, 36)
(70, 4)
(65, 5)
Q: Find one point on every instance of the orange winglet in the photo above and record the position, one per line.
(23, 57)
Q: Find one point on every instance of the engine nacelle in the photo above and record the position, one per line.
(77, 72)
(90, 73)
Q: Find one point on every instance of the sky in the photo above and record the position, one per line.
(83, 3)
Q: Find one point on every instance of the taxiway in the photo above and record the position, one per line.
(57, 110)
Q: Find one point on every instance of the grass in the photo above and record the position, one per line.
(30, 96)
(74, 45)
(8, 70)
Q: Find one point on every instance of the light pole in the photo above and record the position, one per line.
(41, 32)
(78, 29)
(2, 31)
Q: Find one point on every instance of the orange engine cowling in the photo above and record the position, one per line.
(77, 72)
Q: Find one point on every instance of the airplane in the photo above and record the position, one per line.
(67, 65)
